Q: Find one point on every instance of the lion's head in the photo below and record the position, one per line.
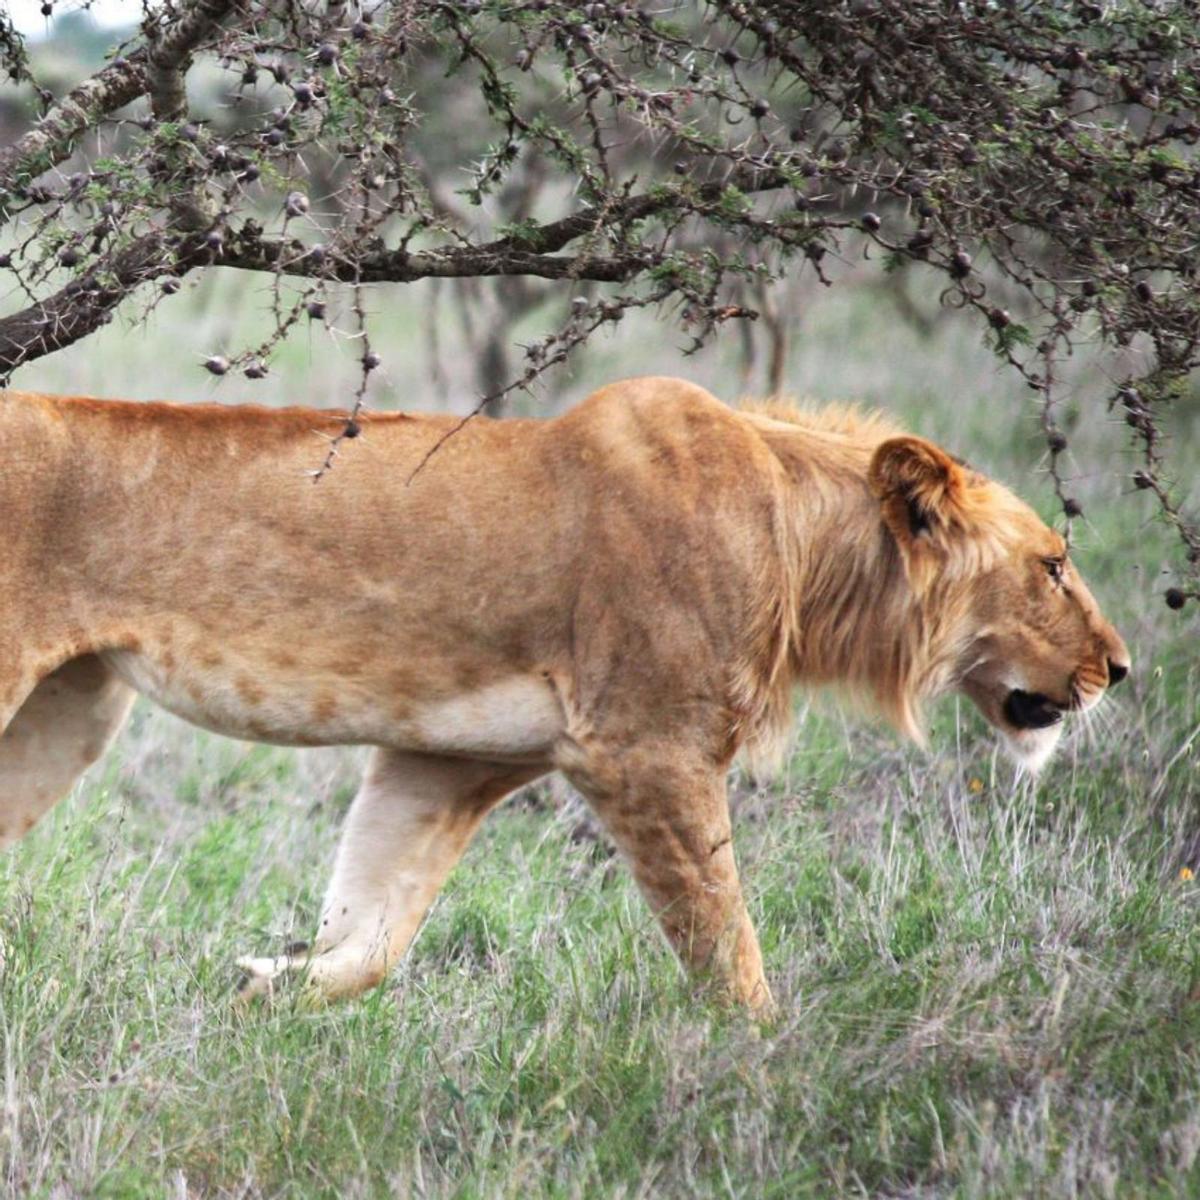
(1018, 630)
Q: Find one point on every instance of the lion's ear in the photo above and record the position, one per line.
(919, 487)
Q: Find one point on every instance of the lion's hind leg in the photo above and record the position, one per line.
(65, 723)
(408, 826)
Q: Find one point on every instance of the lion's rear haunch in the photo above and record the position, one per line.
(628, 593)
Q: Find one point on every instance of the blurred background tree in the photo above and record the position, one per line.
(572, 165)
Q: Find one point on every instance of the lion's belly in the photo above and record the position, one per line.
(514, 719)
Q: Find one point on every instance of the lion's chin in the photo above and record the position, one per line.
(1032, 748)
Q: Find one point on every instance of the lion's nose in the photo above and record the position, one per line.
(1116, 672)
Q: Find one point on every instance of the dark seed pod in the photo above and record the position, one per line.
(170, 286)
(5, 260)
(352, 429)
(960, 265)
(1057, 441)
(303, 94)
(256, 370)
(1089, 287)
(731, 57)
(371, 360)
(250, 76)
(326, 54)
(250, 174)
(68, 256)
(214, 241)
(871, 223)
(1175, 598)
(359, 30)
(1142, 481)
(759, 109)
(273, 137)
(1072, 507)
(999, 318)
(216, 365)
(315, 310)
(920, 242)
(1143, 291)
(296, 204)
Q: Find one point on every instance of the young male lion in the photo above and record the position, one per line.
(627, 593)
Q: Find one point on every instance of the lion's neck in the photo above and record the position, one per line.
(856, 624)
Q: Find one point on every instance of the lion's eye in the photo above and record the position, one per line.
(1054, 568)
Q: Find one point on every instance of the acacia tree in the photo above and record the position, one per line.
(686, 154)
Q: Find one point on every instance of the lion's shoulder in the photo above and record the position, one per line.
(653, 398)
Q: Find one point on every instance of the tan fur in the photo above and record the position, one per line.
(628, 593)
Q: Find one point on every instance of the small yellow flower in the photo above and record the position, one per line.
(975, 785)
(1186, 873)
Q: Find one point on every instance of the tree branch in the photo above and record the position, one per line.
(77, 310)
(52, 139)
(170, 56)
(81, 307)
(456, 262)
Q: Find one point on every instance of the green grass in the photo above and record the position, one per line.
(986, 988)
(989, 993)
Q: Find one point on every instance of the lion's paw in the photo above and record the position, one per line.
(262, 977)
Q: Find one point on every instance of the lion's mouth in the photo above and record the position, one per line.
(1031, 710)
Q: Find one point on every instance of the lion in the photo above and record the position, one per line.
(628, 593)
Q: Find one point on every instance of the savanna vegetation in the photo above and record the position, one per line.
(989, 986)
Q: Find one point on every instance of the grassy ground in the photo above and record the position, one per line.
(987, 989)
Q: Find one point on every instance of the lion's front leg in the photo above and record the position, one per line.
(666, 809)
(408, 826)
